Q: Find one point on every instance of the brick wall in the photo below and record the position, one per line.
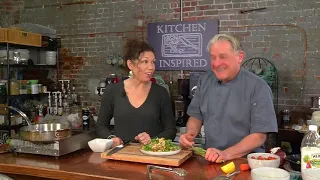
(92, 30)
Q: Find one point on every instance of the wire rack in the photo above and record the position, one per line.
(267, 71)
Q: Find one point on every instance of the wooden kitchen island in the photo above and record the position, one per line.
(85, 164)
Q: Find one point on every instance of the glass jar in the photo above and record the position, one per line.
(15, 87)
(23, 86)
(3, 93)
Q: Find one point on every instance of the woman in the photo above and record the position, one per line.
(141, 109)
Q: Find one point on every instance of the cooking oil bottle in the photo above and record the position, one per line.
(310, 149)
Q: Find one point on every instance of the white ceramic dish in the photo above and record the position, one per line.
(311, 174)
(255, 163)
(169, 153)
(269, 173)
(100, 145)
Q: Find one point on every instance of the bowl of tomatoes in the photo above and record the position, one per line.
(256, 160)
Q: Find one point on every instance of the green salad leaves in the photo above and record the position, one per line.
(160, 145)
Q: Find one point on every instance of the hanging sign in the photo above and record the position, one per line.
(181, 45)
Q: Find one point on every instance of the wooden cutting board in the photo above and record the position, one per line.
(132, 153)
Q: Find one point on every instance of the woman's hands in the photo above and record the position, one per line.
(143, 138)
(116, 141)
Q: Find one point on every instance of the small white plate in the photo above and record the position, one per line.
(169, 153)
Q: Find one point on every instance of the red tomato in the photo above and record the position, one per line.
(260, 158)
(244, 167)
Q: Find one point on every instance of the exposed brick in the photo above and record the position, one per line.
(205, 2)
(206, 7)
(222, 1)
(210, 12)
(118, 16)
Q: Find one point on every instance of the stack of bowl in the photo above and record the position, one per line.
(51, 57)
(265, 167)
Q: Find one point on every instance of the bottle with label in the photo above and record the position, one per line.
(310, 149)
(85, 118)
(286, 118)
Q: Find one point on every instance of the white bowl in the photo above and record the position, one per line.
(51, 61)
(269, 173)
(255, 163)
(100, 145)
(51, 53)
(311, 174)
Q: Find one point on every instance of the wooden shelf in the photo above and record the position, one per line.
(36, 66)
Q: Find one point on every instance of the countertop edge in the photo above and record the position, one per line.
(49, 173)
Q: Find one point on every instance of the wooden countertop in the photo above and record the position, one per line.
(85, 164)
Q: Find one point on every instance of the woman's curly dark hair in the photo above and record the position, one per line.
(134, 48)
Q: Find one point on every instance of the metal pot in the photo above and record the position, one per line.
(45, 132)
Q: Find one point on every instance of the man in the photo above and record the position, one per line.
(234, 105)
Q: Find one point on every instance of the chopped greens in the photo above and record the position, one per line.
(160, 145)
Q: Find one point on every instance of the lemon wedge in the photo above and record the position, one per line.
(228, 168)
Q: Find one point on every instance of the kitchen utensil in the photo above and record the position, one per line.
(226, 177)
(119, 147)
(177, 171)
(132, 153)
(45, 132)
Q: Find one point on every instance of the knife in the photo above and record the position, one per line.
(119, 147)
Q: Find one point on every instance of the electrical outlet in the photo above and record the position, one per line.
(140, 22)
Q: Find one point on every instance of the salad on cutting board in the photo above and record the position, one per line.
(160, 147)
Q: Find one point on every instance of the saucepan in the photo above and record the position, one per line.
(47, 132)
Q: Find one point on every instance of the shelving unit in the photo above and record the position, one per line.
(9, 67)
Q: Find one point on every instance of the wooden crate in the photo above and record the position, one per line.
(20, 37)
(3, 35)
(3, 109)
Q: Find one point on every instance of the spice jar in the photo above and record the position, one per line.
(15, 87)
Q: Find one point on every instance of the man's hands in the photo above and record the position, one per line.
(186, 140)
(212, 154)
(215, 155)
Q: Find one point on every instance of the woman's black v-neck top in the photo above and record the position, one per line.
(154, 116)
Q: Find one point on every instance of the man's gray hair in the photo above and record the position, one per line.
(235, 43)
